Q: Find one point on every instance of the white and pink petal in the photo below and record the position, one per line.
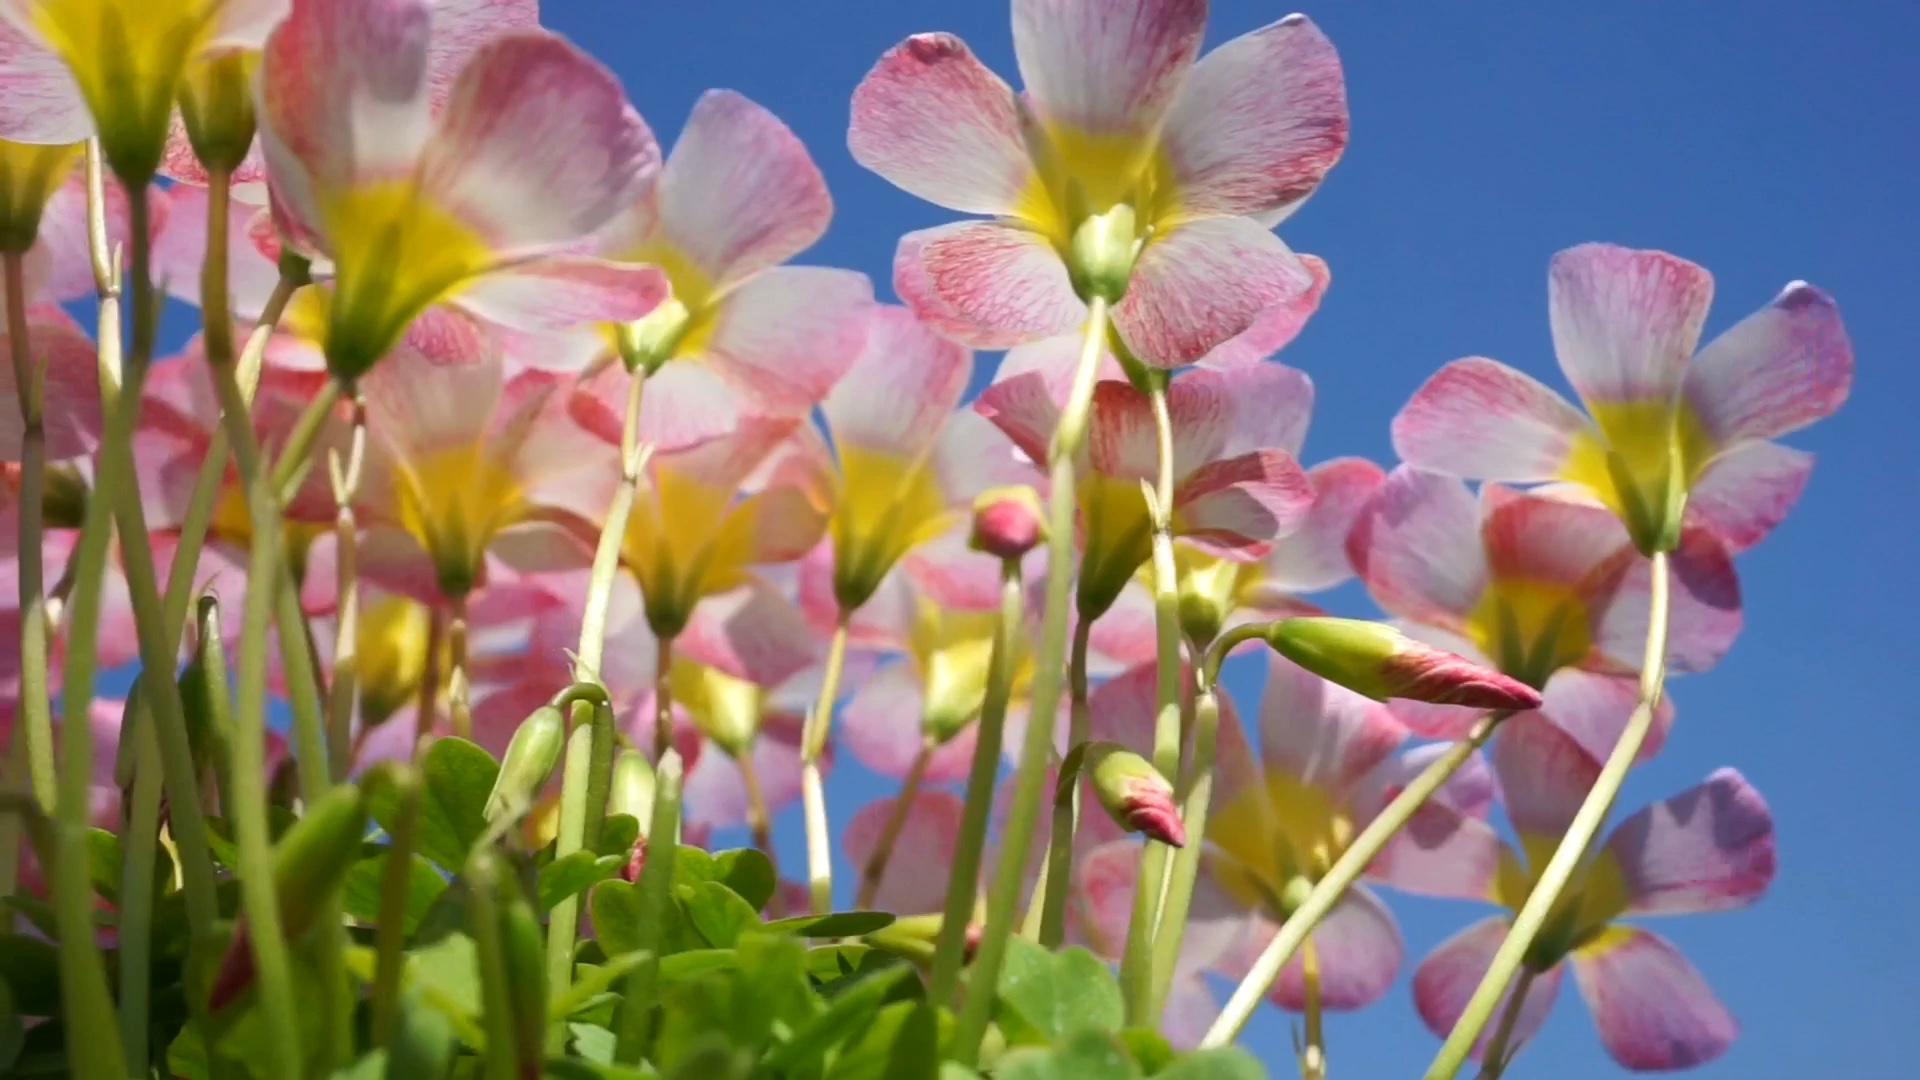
(1653, 1008)
(986, 285)
(1481, 419)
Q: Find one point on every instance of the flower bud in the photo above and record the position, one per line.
(1008, 522)
(1380, 662)
(636, 860)
(29, 175)
(1135, 794)
(531, 756)
(632, 790)
(1101, 253)
(216, 106)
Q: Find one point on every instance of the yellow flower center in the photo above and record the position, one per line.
(1530, 629)
(952, 651)
(1579, 919)
(724, 708)
(454, 501)
(1275, 834)
(682, 325)
(1630, 465)
(689, 541)
(395, 253)
(29, 175)
(391, 640)
(1080, 174)
(886, 506)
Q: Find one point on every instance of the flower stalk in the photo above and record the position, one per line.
(635, 1017)
(1500, 1051)
(29, 380)
(1047, 916)
(396, 881)
(813, 793)
(606, 555)
(341, 692)
(876, 869)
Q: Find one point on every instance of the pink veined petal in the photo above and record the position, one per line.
(1544, 774)
(915, 879)
(953, 575)
(556, 293)
(1441, 852)
(935, 122)
(461, 27)
(1123, 709)
(1122, 442)
(179, 162)
(1275, 328)
(1025, 410)
(537, 145)
(181, 248)
(440, 388)
(1624, 321)
(1314, 556)
(895, 396)
(1535, 538)
(1776, 371)
(1272, 408)
(752, 632)
(1203, 283)
(986, 285)
(63, 242)
(973, 455)
(1706, 613)
(1431, 720)
(542, 546)
(391, 559)
(1053, 360)
(1653, 1008)
(881, 726)
(1593, 708)
(1709, 848)
(1418, 547)
(1320, 733)
(1106, 68)
(343, 95)
(71, 406)
(1481, 419)
(1747, 491)
(1358, 949)
(740, 193)
(716, 793)
(42, 104)
(1238, 507)
(684, 405)
(1125, 634)
(1446, 979)
(245, 23)
(1259, 121)
(786, 336)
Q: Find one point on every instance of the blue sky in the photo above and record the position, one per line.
(1764, 140)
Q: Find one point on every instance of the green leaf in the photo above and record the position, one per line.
(849, 1013)
(423, 1041)
(1087, 1055)
(371, 1067)
(574, 874)
(575, 1069)
(1055, 995)
(591, 981)
(459, 776)
(615, 907)
(445, 973)
(1222, 1063)
(593, 1042)
(31, 968)
(1148, 1047)
(691, 864)
(772, 987)
(749, 873)
(617, 834)
(360, 895)
(905, 1029)
(838, 924)
(717, 912)
(687, 966)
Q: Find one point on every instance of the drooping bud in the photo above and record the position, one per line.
(1008, 522)
(1380, 662)
(1134, 793)
(1100, 256)
(531, 756)
(216, 106)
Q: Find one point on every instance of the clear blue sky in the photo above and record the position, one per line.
(1768, 141)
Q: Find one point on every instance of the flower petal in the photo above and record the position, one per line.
(1272, 407)
(556, 293)
(1275, 328)
(936, 122)
(974, 455)
(1025, 410)
(1418, 549)
(439, 389)
(740, 193)
(1238, 507)
(895, 396)
(1777, 370)
(1435, 721)
(716, 791)
(42, 103)
(1314, 557)
(1203, 283)
(752, 632)
(786, 336)
(986, 285)
(537, 145)
(1481, 419)
(1653, 1008)
(1358, 952)
(1054, 361)
(1593, 708)
(1705, 615)
(1747, 491)
(882, 728)
(1447, 978)
(1441, 852)
(915, 880)
(1319, 733)
(181, 248)
(1544, 775)
(1624, 321)
(1106, 68)
(1709, 848)
(1258, 121)
(461, 27)
(70, 386)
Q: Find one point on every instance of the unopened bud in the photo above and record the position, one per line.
(216, 105)
(1380, 662)
(636, 860)
(1135, 794)
(1100, 257)
(531, 756)
(1008, 522)
(632, 790)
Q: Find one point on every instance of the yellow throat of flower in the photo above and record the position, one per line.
(1530, 629)
(395, 253)
(453, 502)
(688, 541)
(886, 506)
(1275, 835)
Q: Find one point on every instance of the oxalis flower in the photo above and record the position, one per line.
(1547, 591)
(1124, 168)
(1709, 848)
(535, 149)
(1665, 428)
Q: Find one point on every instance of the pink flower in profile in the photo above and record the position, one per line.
(741, 333)
(1545, 590)
(1202, 159)
(1660, 419)
(471, 206)
(1236, 492)
(1710, 848)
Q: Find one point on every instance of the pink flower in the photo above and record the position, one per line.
(1548, 591)
(1199, 161)
(915, 879)
(1659, 417)
(470, 205)
(742, 333)
(1710, 848)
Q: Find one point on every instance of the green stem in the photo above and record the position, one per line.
(656, 882)
(1056, 875)
(876, 869)
(759, 822)
(663, 697)
(343, 690)
(496, 996)
(36, 702)
(1499, 1052)
(1030, 777)
(1195, 802)
(1313, 1052)
(396, 883)
(963, 882)
(1344, 872)
(140, 844)
(1136, 962)
(585, 780)
(813, 792)
(613, 534)
(1568, 856)
(303, 685)
(290, 469)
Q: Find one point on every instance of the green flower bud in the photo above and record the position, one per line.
(1100, 256)
(650, 341)
(216, 106)
(1133, 792)
(1378, 661)
(530, 759)
(632, 790)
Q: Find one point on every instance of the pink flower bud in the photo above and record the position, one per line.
(636, 860)
(1134, 793)
(1376, 660)
(1008, 522)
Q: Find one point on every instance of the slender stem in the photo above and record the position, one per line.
(1568, 856)
(396, 881)
(249, 812)
(1136, 963)
(303, 684)
(876, 869)
(429, 700)
(759, 822)
(496, 995)
(344, 689)
(663, 697)
(613, 534)
(29, 380)
(296, 456)
(1196, 798)
(1344, 872)
(635, 1013)
(1057, 874)
(963, 881)
(1313, 1051)
(585, 780)
(140, 845)
(459, 707)
(13, 831)
(813, 793)
(1030, 776)
(1493, 1062)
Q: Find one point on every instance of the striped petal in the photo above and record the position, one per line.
(1447, 978)
(1625, 322)
(1441, 852)
(39, 101)
(1259, 121)
(752, 632)
(1544, 775)
(934, 121)
(555, 293)
(1747, 491)
(1534, 539)
(1275, 328)
(896, 395)
(1358, 952)
(71, 386)
(1053, 360)
(1705, 616)
(786, 336)
(915, 880)
(181, 248)
(1203, 283)
(1776, 371)
(1653, 1008)
(986, 285)
(1418, 548)
(1272, 408)
(1319, 733)
(716, 791)
(1709, 848)
(1025, 410)
(1238, 507)
(1481, 419)
(1426, 718)
(881, 726)
(460, 28)
(1593, 708)
(1107, 68)
(1314, 556)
